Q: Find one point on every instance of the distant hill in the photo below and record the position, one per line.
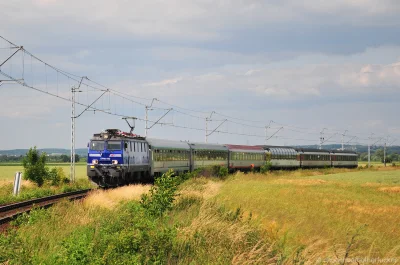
(19, 152)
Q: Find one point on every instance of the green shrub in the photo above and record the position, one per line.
(266, 168)
(162, 194)
(35, 166)
(209, 171)
(223, 172)
(56, 176)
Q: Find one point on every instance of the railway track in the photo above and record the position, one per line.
(10, 211)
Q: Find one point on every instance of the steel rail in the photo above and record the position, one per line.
(10, 211)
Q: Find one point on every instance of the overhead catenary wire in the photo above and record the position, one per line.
(248, 123)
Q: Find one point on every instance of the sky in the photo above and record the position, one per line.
(295, 67)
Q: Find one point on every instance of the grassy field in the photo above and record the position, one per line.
(29, 190)
(7, 172)
(322, 212)
(283, 217)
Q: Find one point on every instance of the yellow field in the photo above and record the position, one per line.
(7, 172)
(323, 212)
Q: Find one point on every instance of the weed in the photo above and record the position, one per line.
(266, 168)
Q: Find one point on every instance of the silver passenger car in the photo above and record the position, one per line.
(167, 154)
(204, 155)
(282, 156)
(314, 158)
(344, 159)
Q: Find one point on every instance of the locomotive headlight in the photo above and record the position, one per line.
(95, 161)
(115, 162)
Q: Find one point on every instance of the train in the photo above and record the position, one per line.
(117, 158)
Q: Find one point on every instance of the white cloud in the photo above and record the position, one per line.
(165, 82)
(196, 20)
(371, 77)
(245, 82)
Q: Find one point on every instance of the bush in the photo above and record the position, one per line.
(35, 166)
(266, 168)
(161, 195)
(56, 176)
(209, 171)
(220, 171)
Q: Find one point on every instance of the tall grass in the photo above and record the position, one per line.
(301, 217)
(29, 190)
(311, 206)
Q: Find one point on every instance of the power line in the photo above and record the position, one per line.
(125, 96)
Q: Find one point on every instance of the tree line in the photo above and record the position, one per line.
(378, 155)
(49, 158)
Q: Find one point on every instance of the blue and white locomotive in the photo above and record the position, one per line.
(117, 158)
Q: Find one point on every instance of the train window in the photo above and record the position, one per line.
(114, 145)
(97, 145)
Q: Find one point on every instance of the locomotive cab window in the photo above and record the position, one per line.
(97, 145)
(114, 145)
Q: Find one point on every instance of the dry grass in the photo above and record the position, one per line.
(216, 237)
(395, 189)
(24, 184)
(111, 198)
(300, 182)
(321, 209)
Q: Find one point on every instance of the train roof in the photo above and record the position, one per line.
(312, 150)
(161, 143)
(116, 134)
(235, 147)
(268, 147)
(202, 146)
(343, 152)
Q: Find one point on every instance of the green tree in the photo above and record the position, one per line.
(35, 166)
(65, 158)
(77, 158)
(379, 154)
(364, 157)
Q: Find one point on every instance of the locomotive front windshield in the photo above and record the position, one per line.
(97, 145)
(101, 145)
(114, 145)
